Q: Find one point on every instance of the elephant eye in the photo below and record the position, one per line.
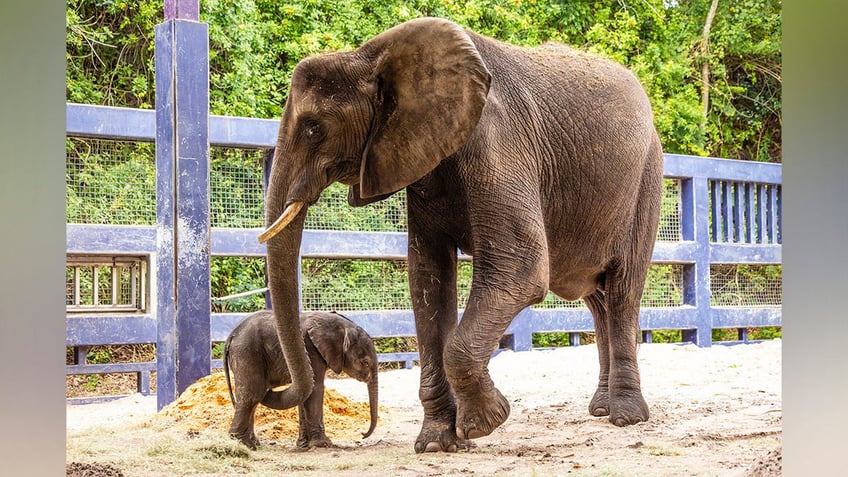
(312, 131)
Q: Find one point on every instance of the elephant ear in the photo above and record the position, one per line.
(431, 88)
(355, 199)
(331, 340)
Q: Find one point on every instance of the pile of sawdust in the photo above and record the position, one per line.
(206, 405)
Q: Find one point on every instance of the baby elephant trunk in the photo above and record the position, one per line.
(372, 401)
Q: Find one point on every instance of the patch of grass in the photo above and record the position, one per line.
(660, 451)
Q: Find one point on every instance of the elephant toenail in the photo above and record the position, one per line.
(433, 447)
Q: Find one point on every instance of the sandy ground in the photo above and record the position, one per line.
(714, 412)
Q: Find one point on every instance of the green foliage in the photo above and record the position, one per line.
(231, 275)
(110, 182)
(732, 334)
(218, 350)
(666, 336)
(330, 284)
(255, 44)
(332, 212)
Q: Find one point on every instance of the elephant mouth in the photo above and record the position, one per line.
(285, 218)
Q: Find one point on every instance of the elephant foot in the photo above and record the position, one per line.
(439, 436)
(624, 409)
(249, 440)
(627, 408)
(480, 415)
(309, 443)
(599, 405)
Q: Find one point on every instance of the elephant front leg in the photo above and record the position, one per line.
(503, 284)
(481, 407)
(432, 283)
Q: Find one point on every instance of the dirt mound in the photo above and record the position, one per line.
(206, 405)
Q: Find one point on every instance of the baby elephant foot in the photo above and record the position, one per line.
(439, 436)
(248, 440)
(480, 415)
(308, 443)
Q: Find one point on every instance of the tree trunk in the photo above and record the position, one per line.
(705, 69)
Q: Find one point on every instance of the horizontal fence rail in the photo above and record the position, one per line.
(719, 215)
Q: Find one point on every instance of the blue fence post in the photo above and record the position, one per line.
(183, 351)
(695, 196)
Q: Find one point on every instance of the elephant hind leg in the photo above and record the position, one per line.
(616, 314)
(599, 405)
(242, 427)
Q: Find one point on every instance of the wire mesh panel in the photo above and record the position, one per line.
(236, 185)
(670, 211)
(746, 285)
(745, 212)
(106, 284)
(346, 285)
(663, 288)
(237, 276)
(110, 182)
(332, 212)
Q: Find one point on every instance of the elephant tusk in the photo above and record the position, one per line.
(290, 213)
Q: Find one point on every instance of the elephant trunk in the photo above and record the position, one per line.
(372, 401)
(283, 256)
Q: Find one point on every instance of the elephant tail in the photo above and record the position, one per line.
(227, 370)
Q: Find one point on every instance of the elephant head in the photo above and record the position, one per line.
(354, 354)
(377, 118)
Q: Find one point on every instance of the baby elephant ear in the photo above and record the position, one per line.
(431, 89)
(332, 342)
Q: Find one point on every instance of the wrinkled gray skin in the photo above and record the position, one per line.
(252, 353)
(542, 163)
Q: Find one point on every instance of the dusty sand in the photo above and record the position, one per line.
(714, 412)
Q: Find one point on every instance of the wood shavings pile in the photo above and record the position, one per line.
(206, 405)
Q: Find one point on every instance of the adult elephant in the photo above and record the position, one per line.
(543, 164)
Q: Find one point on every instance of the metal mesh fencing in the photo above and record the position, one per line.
(746, 285)
(347, 285)
(110, 182)
(236, 186)
(663, 288)
(114, 182)
(237, 276)
(670, 212)
(332, 212)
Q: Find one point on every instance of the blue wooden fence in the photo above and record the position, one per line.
(743, 198)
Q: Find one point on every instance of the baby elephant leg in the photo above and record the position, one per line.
(242, 427)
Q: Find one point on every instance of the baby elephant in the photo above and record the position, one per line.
(253, 353)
